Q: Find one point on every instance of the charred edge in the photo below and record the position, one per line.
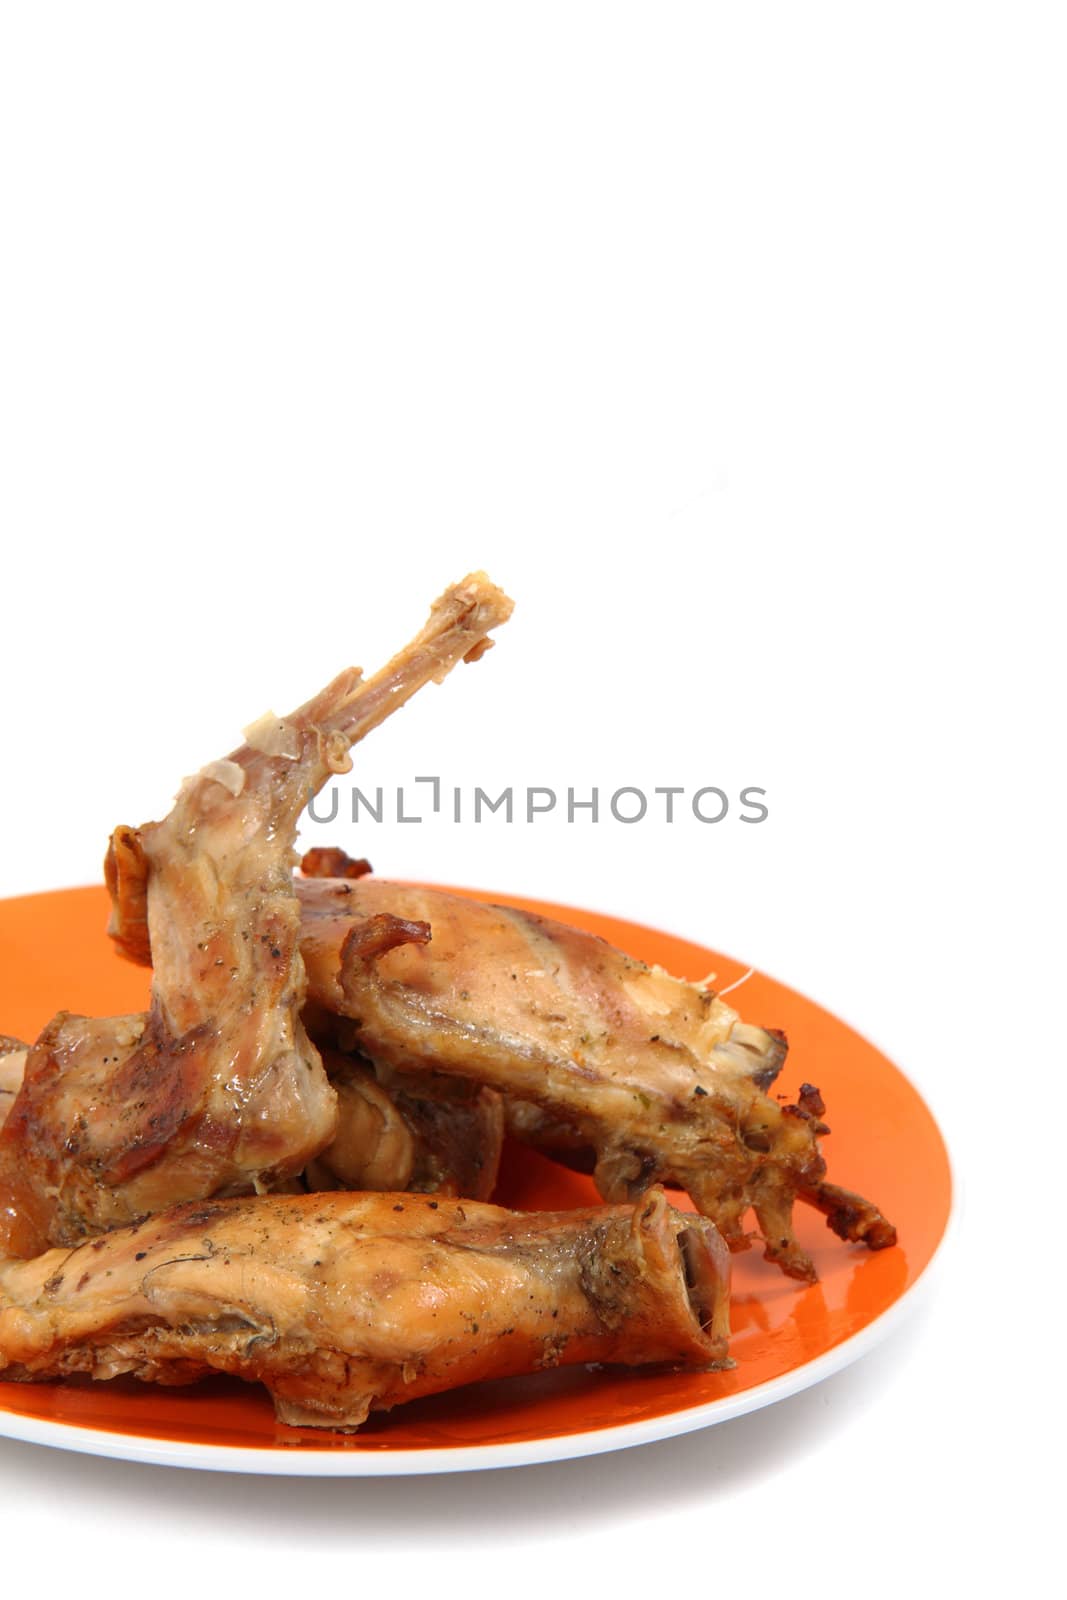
(809, 1107)
(765, 1075)
(809, 1099)
(374, 936)
(851, 1217)
(329, 861)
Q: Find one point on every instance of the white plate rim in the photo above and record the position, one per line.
(310, 1463)
(302, 1462)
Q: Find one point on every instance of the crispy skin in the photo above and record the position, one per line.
(217, 1089)
(342, 1304)
(421, 1131)
(330, 862)
(602, 1060)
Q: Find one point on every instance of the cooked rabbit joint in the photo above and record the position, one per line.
(421, 1131)
(13, 1055)
(373, 1146)
(602, 1060)
(343, 1304)
(217, 1089)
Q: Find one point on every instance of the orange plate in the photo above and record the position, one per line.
(53, 955)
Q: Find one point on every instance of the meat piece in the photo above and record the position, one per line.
(458, 1128)
(342, 1304)
(420, 1131)
(13, 1055)
(217, 1089)
(604, 1061)
(330, 862)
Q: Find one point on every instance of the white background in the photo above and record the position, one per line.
(731, 341)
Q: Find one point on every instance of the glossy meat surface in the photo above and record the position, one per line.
(12, 1066)
(422, 1131)
(600, 1057)
(341, 1304)
(217, 1088)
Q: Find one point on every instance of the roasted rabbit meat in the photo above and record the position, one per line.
(217, 1089)
(343, 1304)
(426, 1132)
(600, 1057)
(12, 1066)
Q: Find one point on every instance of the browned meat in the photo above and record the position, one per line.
(343, 1304)
(330, 862)
(217, 1089)
(12, 1066)
(422, 1131)
(601, 1058)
